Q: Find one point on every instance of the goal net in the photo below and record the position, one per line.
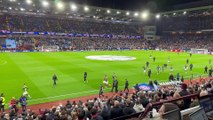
(199, 51)
(53, 48)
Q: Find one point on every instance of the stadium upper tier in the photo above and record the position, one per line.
(43, 24)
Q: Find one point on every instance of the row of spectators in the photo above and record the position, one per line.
(167, 42)
(183, 23)
(186, 41)
(43, 24)
(122, 103)
(28, 43)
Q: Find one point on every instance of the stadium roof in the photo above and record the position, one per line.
(73, 10)
(153, 5)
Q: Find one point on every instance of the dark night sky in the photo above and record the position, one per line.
(153, 5)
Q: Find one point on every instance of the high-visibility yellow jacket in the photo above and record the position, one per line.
(3, 100)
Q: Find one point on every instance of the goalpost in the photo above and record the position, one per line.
(199, 51)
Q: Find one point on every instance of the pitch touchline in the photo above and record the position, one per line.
(90, 91)
(39, 99)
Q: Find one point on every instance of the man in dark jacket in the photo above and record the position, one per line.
(184, 92)
(126, 85)
(116, 111)
(127, 110)
(115, 85)
(149, 73)
(171, 77)
(95, 115)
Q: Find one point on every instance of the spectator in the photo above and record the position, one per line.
(13, 104)
(183, 93)
(166, 107)
(128, 109)
(116, 111)
(95, 115)
(138, 107)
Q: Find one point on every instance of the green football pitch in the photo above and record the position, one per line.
(36, 70)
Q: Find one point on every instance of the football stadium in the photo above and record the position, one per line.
(106, 60)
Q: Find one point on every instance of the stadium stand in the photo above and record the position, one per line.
(123, 105)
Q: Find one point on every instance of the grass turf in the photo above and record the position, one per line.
(36, 70)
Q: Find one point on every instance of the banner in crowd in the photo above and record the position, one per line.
(146, 87)
(10, 43)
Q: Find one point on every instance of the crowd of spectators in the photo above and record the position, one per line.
(185, 41)
(46, 24)
(120, 104)
(167, 42)
(176, 40)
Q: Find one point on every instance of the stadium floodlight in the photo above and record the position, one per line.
(10, 8)
(157, 16)
(29, 2)
(86, 8)
(12, 0)
(174, 13)
(73, 7)
(184, 12)
(22, 9)
(127, 13)
(45, 3)
(108, 11)
(60, 5)
(112, 18)
(118, 12)
(136, 14)
(145, 15)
